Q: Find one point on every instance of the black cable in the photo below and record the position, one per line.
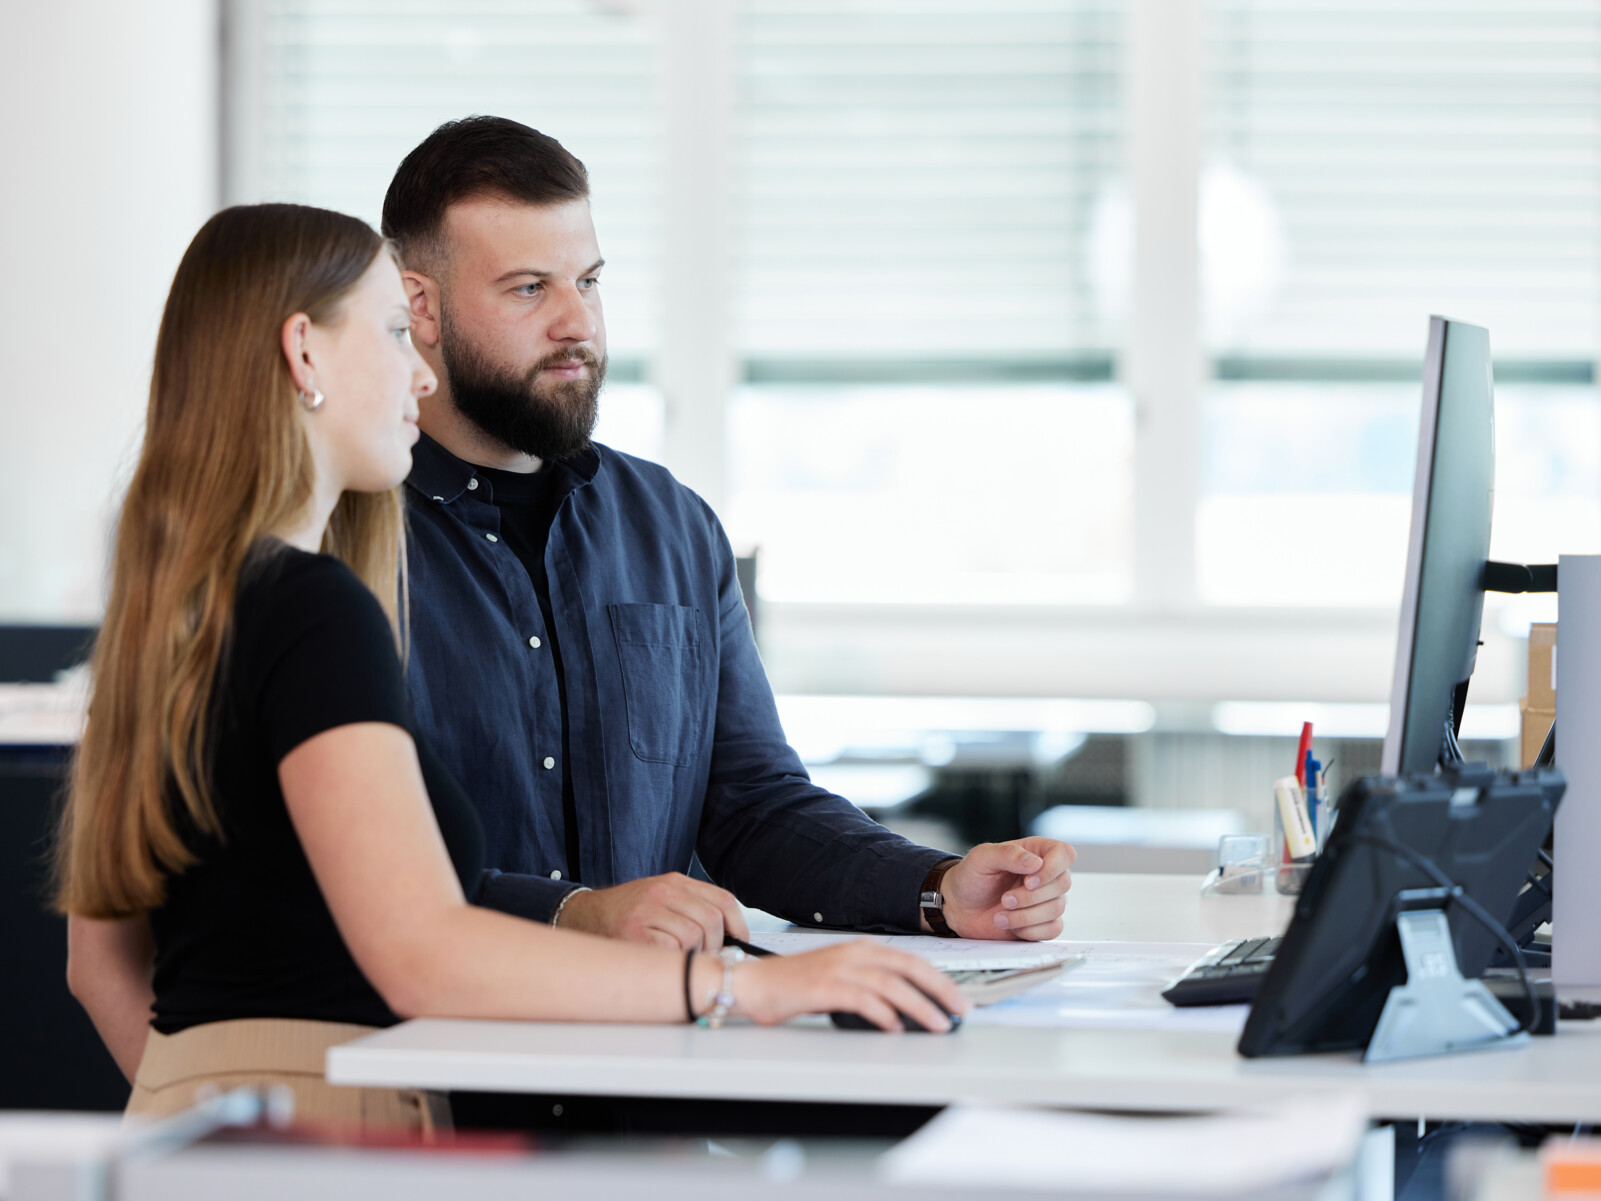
(1543, 883)
(1478, 912)
(1548, 749)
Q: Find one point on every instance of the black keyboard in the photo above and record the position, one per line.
(1225, 975)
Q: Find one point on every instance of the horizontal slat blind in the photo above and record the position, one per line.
(920, 176)
(349, 86)
(1421, 156)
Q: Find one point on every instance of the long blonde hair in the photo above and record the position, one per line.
(225, 463)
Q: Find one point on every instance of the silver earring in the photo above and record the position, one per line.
(311, 400)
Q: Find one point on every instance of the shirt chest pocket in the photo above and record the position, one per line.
(665, 660)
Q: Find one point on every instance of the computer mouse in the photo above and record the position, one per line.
(854, 1021)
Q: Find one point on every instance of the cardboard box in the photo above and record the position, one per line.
(1539, 708)
(1543, 666)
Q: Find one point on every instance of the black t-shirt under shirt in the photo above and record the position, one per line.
(528, 502)
(245, 932)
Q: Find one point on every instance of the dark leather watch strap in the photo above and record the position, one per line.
(931, 901)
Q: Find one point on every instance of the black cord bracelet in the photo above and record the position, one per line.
(689, 1005)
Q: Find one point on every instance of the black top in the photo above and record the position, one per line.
(245, 932)
(528, 502)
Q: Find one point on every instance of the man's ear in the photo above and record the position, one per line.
(422, 295)
(293, 339)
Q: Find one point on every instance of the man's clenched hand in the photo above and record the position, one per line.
(1010, 889)
(671, 910)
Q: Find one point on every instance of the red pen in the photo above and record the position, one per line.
(1300, 754)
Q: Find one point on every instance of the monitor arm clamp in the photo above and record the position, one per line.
(1516, 577)
(1513, 578)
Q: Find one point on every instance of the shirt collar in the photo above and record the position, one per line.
(441, 476)
(584, 464)
(436, 473)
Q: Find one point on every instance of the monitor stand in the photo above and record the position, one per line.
(1437, 1011)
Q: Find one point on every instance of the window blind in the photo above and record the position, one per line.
(1375, 161)
(348, 87)
(920, 178)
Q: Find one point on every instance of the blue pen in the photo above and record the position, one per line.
(1313, 767)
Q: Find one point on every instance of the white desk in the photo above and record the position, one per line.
(43, 714)
(1110, 907)
(1555, 1080)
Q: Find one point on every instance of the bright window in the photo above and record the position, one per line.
(929, 223)
(348, 87)
(1373, 163)
(919, 187)
(953, 494)
(920, 177)
(1305, 493)
(1367, 166)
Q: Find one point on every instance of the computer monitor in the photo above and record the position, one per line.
(1443, 600)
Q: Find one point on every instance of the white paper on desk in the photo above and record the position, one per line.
(1117, 986)
(1213, 1155)
(948, 954)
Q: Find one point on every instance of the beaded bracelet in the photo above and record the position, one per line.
(723, 1002)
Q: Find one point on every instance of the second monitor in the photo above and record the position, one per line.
(1442, 602)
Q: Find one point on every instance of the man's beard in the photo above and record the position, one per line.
(549, 422)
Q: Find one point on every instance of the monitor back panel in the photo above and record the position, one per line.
(1341, 955)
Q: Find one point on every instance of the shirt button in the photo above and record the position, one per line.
(472, 485)
(555, 875)
(817, 917)
(534, 642)
(492, 538)
(550, 763)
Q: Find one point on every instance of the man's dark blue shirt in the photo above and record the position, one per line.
(635, 687)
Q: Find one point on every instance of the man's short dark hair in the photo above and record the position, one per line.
(476, 156)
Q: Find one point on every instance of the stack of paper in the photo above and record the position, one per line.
(947, 954)
(1215, 1155)
(1117, 985)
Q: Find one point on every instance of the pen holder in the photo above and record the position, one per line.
(1244, 861)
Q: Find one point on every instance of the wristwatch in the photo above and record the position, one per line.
(932, 901)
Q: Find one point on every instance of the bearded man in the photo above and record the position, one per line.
(581, 657)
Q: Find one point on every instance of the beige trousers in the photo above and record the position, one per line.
(178, 1069)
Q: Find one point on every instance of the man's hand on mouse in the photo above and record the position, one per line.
(1010, 889)
(670, 910)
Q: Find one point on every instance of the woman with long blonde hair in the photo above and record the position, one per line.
(258, 857)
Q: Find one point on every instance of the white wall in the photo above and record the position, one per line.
(109, 156)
